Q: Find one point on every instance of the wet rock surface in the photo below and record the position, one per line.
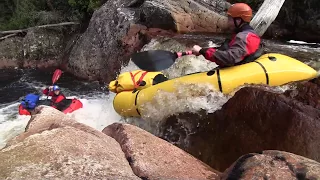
(254, 119)
(307, 92)
(153, 158)
(273, 165)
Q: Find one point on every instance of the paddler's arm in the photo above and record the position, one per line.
(228, 57)
(208, 53)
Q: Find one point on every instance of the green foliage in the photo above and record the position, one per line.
(21, 13)
(83, 8)
(18, 14)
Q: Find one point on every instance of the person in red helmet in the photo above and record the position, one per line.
(245, 44)
(58, 99)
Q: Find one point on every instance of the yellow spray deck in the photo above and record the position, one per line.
(271, 69)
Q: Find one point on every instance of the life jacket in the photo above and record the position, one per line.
(254, 56)
(57, 98)
(30, 101)
(136, 80)
(250, 57)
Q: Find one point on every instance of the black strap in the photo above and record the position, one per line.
(219, 80)
(265, 71)
(135, 103)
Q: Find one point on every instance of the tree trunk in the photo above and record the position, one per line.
(266, 14)
(11, 33)
(41, 26)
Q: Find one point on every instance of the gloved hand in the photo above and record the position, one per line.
(196, 50)
(50, 88)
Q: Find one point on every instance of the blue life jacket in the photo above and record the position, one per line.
(30, 101)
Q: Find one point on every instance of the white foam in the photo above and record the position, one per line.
(11, 124)
(187, 65)
(188, 98)
(299, 42)
(97, 112)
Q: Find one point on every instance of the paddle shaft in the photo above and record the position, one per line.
(180, 54)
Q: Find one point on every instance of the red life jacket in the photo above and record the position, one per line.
(245, 46)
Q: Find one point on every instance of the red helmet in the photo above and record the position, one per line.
(240, 10)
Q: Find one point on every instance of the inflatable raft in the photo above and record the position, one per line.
(271, 69)
(73, 105)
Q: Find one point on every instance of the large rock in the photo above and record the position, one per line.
(113, 34)
(153, 158)
(254, 119)
(185, 16)
(297, 19)
(44, 45)
(308, 93)
(273, 165)
(11, 52)
(55, 146)
(39, 48)
(98, 52)
(301, 19)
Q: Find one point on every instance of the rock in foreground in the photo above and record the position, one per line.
(153, 158)
(253, 120)
(57, 147)
(273, 165)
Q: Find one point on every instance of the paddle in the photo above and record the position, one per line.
(56, 75)
(156, 60)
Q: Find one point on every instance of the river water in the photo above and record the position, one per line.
(98, 110)
(15, 84)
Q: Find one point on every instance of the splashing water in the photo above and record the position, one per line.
(11, 124)
(188, 98)
(97, 110)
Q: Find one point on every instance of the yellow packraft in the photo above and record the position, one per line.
(138, 80)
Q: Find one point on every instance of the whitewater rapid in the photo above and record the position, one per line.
(98, 112)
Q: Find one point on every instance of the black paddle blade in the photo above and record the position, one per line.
(154, 60)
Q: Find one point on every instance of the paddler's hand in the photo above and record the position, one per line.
(196, 49)
(50, 88)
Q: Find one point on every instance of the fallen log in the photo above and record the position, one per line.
(266, 14)
(7, 36)
(42, 26)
